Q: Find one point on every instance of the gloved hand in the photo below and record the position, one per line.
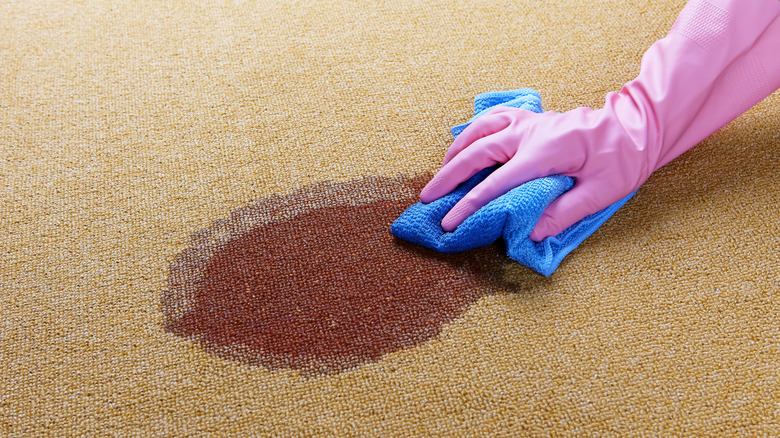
(610, 151)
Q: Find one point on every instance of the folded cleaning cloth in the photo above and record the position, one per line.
(512, 216)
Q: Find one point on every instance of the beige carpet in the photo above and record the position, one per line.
(142, 143)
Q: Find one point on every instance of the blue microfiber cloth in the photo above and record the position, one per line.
(511, 216)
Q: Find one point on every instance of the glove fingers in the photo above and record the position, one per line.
(498, 183)
(481, 154)
(484, 126)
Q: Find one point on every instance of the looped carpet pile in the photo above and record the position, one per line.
(179, 182)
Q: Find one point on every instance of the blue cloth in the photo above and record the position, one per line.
(511, 216)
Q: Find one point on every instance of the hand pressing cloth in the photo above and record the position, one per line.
(511, 216)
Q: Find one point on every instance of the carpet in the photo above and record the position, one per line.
(195, 201)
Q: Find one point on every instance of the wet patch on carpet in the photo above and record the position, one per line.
(314, 280)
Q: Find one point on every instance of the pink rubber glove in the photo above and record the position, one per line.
(750, 79)
(611, 151)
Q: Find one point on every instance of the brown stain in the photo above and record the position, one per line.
(315, 281)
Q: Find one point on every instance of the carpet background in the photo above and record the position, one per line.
(127, 126)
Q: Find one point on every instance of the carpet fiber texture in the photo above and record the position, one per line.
(177, 179)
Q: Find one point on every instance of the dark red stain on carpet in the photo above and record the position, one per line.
(315, 281)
